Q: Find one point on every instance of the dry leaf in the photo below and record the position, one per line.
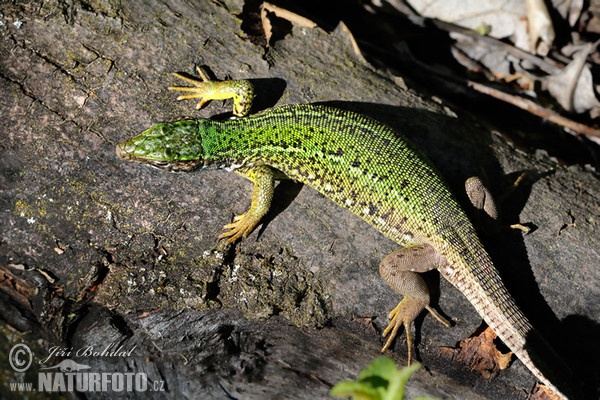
(573, 87)
(569, 10)
(17, 289)
(266, 24)
(526, 23)
(480, 354)
(282, 13)
(288, 15)
(497, 18)
(366, 322)
(541, 31)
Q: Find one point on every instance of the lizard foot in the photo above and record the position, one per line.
(241, 226)
(407, 310)
(206, 90)
(201, 88)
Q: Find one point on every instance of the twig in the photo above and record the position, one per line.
(534, 108)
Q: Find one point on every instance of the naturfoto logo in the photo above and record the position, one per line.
(68, 375)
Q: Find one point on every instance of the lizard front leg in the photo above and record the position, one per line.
(400, 270)
(241, 91)
(263, 178)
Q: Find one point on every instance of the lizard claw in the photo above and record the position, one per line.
(401, 315)
(201, 89)
(241, 226)
(404, 314)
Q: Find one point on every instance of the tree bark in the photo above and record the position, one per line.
(99, 253)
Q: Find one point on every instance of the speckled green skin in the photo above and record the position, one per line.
(365, 167)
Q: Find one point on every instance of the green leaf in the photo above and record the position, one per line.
(380, 380)
(398, 382)
(356, 390)
(382, 367)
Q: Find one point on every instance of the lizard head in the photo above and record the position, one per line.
(174, 146)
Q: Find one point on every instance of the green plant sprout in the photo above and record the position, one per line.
(381, 380)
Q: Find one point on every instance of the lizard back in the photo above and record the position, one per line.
(357, 162)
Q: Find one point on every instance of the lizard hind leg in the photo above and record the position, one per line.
(400, 270)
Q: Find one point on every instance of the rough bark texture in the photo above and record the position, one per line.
(95, 251)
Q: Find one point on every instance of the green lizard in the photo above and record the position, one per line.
(365, 167)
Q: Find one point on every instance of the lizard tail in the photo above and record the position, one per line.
(500, 312)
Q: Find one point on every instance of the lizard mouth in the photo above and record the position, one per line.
(174, 165)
